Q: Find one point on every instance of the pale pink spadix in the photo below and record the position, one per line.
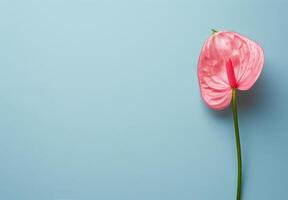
(227, 61)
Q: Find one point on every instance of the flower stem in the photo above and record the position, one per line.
(238, 144)
(214, 30)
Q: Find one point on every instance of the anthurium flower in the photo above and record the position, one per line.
(229, 62)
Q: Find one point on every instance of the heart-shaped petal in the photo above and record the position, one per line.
(228, 60)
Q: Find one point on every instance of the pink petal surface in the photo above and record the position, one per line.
(228, 60)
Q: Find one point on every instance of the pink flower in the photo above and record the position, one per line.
(228, 61)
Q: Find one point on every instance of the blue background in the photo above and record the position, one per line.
(100, 100)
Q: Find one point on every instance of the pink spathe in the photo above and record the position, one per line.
(227, 61)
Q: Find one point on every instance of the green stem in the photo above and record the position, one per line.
(238, 145)
(214, 31)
